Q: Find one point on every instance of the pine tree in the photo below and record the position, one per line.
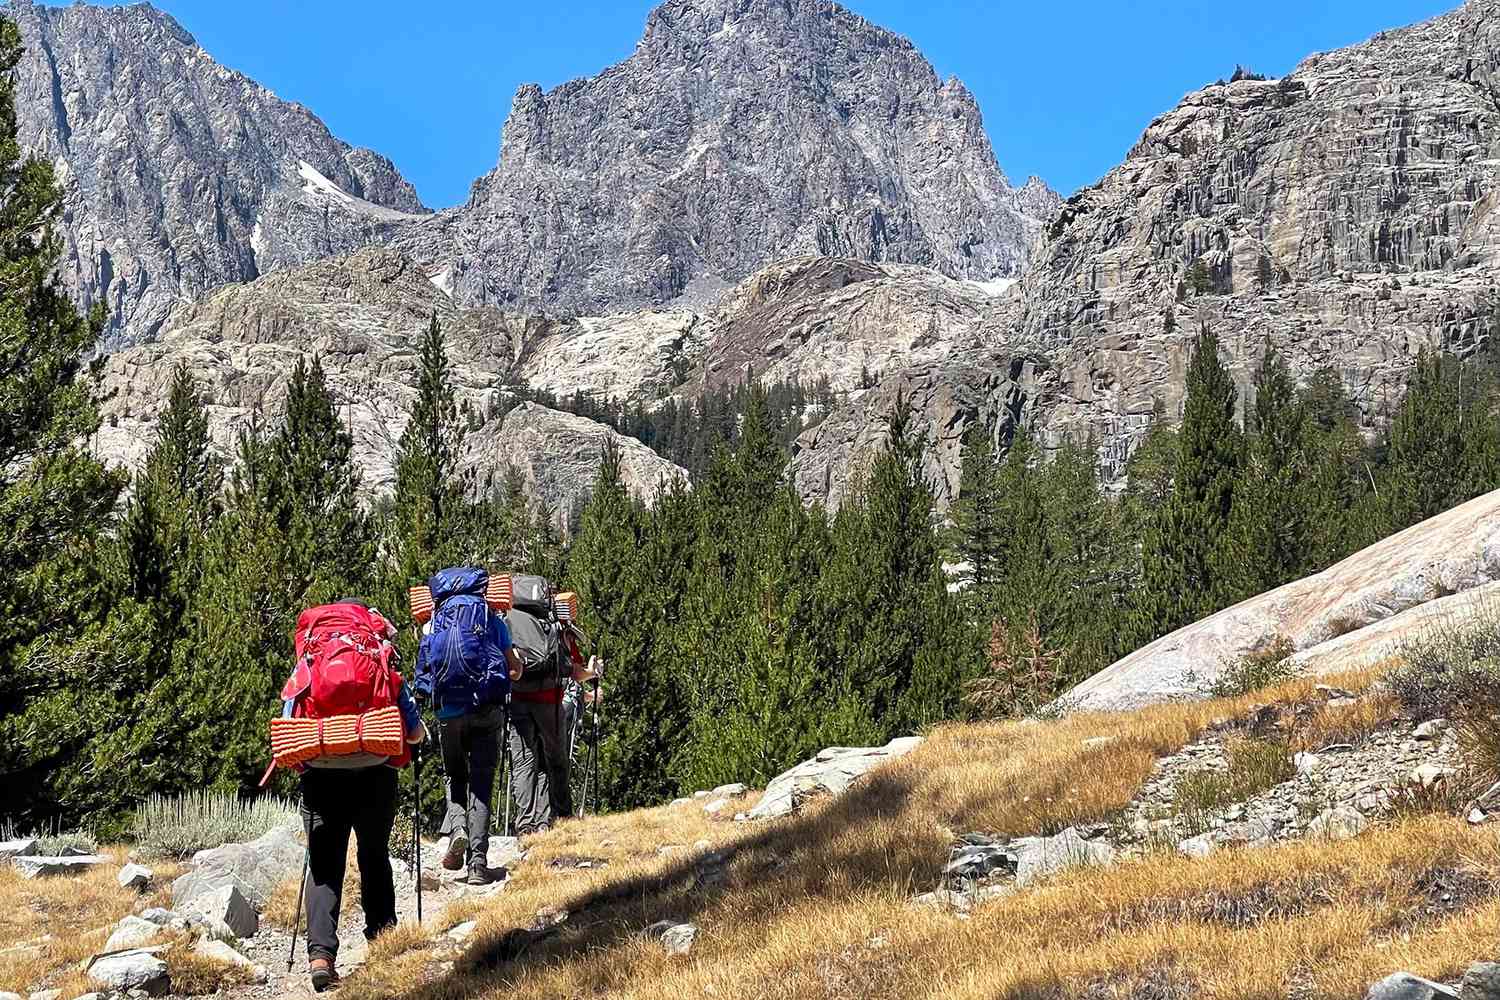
(979, 530)
(1268, 540)
(1183, 544)
(55, 498)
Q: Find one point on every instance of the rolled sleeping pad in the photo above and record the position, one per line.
(497, 594)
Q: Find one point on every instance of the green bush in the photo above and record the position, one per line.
(177, 826)
(1260, 669)
(59, 841)
(1452, 670)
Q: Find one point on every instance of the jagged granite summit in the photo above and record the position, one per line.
(178, 174)
(738, 133)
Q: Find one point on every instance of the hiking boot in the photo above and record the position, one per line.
(322, 973)
(453, 857)
(479, 875)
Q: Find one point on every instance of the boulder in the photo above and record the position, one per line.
(138, 968)
(225, 905)
(36, 866)
(1038, 857)
(1338, 823)
(134, 876)
(132, 932)
(829, 773)
(1481, 982)
(676, 938)
(254, 868)
(730, 791)
(15, 848)
(1347, 616)
(974, 861)
(159, 916)
(1405, 986)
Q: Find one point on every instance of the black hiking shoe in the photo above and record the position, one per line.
(322, 974)
(453, 857)
(479, 875)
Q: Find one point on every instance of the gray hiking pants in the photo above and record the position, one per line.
(539, 765)
(471, 750)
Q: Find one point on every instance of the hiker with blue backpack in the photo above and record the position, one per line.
(465, 665)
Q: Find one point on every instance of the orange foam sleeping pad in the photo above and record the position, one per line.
(498, 594)
(297, 741)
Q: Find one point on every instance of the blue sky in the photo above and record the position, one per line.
(1065, 86)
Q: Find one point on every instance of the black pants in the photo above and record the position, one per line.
(334, 802)
(471, 751)
(540, 768)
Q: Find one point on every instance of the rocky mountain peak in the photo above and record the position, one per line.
(738, 133)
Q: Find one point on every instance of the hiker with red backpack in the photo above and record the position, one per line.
(465, 666)
(348, 722)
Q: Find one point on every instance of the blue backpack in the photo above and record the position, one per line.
(463, 651)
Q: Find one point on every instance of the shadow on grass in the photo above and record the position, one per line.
(797, 858)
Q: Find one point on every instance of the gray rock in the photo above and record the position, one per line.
(134, 876)
(831, 772)
(975, 861)
(716, 806)
(680, 802)
(225, 905)
(138, 968)
(503, 852)
(676, 938)
(730, 791)
(15, 848)
(461, 932)
(254, 868)
(159, 916)
(37, 866)
(132, 932)
(1481, 982)
(1338, 823)
(1405, 986)
(1305, 762)
(1038, 857)
(219, 951)
(1431, 729)
(46, 995)
(11, 996)
(1430, 775)
(1200, 846)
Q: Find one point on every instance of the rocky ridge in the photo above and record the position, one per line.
(178, 174)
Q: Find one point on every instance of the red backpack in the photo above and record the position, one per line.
(343, 663)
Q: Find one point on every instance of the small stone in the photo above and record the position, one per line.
(504, 852)
(730, 791)
(129, 970)
(742, 817)
(702, 845)
(1489, 799)
(226, 905)
(1431, 729)
(221, 952)
(703, 794)
(1477, 816)
(1332, 693)
(666, 849)
(1097, 742)
(462, 931)
(716, 806)
(1481, 982)
(132, 932)
(1037, 857)
(676, 938)
(1429, 775)
(46, 995)
(1200, 846)
(90, 996)
(1338, 823)
(680, 802)
(976, 861)
(10, 996)
(134, 876)
(1405, 986)
(1305, 762)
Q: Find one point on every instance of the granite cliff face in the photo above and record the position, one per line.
(180, 175)
(363, 316)
(738, 133)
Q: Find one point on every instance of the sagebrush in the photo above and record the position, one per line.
(179, 825)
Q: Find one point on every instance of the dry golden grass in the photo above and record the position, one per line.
(818, 905)
(1333, 724)
(194, 975)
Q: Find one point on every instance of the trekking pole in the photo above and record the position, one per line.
(291, 954)
(594, 750)
(506, 763)
(416, 822)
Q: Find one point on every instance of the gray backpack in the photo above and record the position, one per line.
(536, 634)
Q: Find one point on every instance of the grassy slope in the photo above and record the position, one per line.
(818, 905)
